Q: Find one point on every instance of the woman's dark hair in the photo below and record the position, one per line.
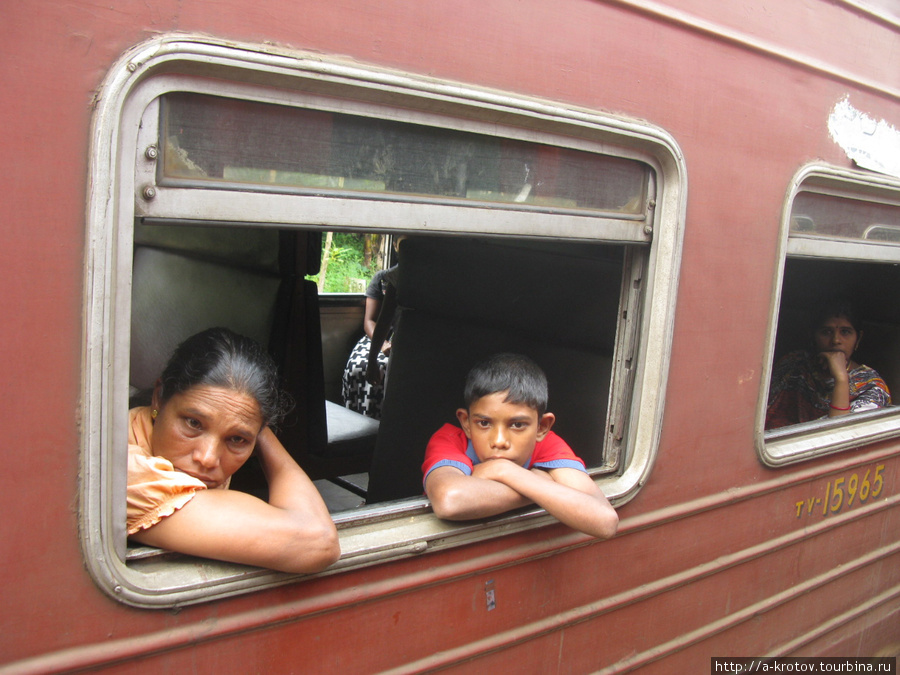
(841, 307)
(517, 374)
(218, 357)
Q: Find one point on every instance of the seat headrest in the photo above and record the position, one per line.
(546, 290)
(249, 248)
(175, 296)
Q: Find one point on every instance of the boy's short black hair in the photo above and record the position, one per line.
(515, 373)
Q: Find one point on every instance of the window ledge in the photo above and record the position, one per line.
(800, 442)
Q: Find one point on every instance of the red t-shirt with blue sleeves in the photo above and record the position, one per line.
(449, 446)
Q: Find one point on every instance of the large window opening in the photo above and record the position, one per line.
(522, 227)
(460, 299)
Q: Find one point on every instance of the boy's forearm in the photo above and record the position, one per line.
(491, 499)
(467, 497)
(584, 512)
(498, 486)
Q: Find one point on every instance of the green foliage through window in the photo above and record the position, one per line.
(349, 260)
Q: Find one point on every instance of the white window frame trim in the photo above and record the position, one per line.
(378, 533)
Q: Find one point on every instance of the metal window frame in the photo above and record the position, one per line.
(802, 442)
(120, 167)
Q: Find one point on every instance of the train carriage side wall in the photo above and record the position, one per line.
(747, 98)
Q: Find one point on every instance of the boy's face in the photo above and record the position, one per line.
(502, 430)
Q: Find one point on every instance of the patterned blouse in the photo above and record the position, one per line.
(800, 390)
(155, 488)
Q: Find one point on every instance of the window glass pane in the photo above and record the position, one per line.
(213, 139)
(829, 216)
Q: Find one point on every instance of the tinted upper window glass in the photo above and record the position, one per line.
(217, 139)
(824, 215)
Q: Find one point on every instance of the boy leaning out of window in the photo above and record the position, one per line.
(504, 454)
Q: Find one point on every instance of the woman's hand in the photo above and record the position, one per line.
(272, 455)
(374, 375)
(837, 364)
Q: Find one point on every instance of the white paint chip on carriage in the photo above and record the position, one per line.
(871, 144)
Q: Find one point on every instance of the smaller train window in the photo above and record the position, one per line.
(834, 367)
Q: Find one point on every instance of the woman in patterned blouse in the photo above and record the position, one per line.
(826, 382)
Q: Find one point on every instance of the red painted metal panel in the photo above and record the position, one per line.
(745, 118)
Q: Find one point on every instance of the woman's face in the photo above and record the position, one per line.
(206, 432)
(837, 335)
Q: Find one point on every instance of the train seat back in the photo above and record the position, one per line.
(183, 285)
(465, 299)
